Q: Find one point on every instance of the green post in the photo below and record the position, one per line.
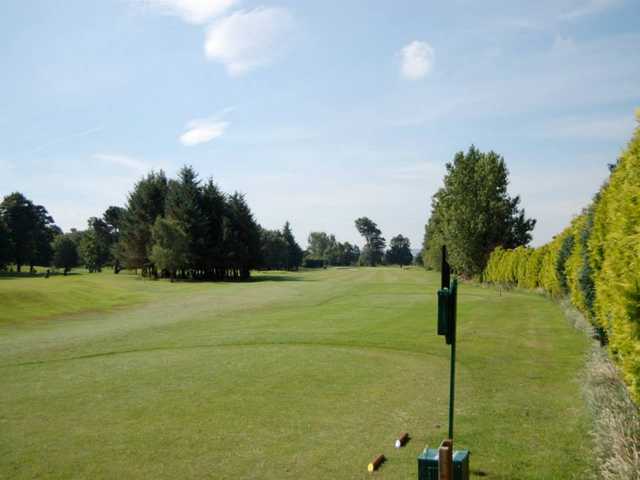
(452, 379)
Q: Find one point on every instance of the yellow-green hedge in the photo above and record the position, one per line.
(595, 261)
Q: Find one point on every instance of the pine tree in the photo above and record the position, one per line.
(145, 204)
(241, 237)
(184, 206)
(170, 246)
(294, 252)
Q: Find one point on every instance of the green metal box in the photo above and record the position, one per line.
(428, 464)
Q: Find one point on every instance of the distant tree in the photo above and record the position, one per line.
(114, 218)
(184, 205)
(473, 213)
(5, 245)
(76, 235)
(92, 251)
(274, 250)
(343, 254)
(373, 251)
(241, 237)
(170, 246)
(352, 254)
(324, 249)
(65, 253)
(399, 252)
(214, 208)
(101, 242)
(30, 230)
(318, 244)
(294, 252)
(46, 231)
(145, 204)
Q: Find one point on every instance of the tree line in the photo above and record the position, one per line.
(177, 228)
(180, 228)
(595, 261)
(324, 250)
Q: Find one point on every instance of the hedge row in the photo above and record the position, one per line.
(595, 261)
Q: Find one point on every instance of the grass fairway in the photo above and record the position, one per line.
(290, 376)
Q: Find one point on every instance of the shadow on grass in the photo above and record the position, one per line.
(14, 275)
(274, 278)
(235, 281)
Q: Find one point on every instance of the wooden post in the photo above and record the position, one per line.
(375, 463)
(445, 460)
(402, 439)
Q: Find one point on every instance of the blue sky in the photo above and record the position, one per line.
(320, 112)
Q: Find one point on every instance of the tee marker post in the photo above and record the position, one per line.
(444, 463)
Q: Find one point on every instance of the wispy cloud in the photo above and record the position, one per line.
(192, 11)
(62, 139)
(417, 60)
(126, 161)
(609, 128)
(589, 7)
(248, 39)
(202, 131)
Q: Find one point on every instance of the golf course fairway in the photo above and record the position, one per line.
(292, 375)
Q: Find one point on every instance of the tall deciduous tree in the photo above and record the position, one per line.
(374, 241)
(473, 213)
(318, 244)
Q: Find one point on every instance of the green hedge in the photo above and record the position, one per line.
(595, 261)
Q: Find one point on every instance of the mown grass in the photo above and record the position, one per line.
(297, 375)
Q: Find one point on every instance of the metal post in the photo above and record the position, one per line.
(452, 381)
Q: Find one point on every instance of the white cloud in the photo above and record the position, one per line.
(192, 11)
(124, 161)
(417, 59)
(202, 131)
(249, 39)
(590, 7)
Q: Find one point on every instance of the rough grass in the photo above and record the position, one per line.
(306, 375)
(617, 420)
